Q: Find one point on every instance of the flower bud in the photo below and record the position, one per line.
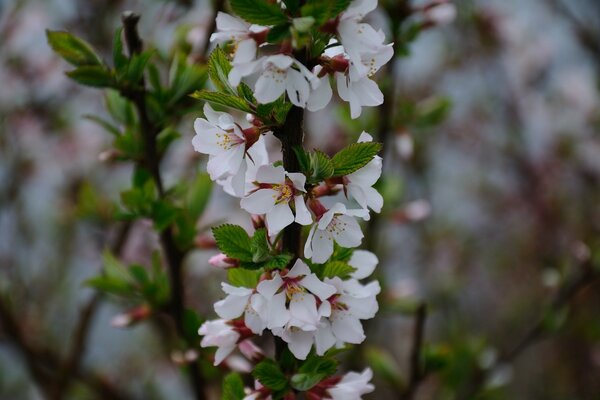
(131, 317)
(222, 261)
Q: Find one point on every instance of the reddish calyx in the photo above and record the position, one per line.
(241, 328)
(251, 135)
(330, 65)
(317, 208)
(330, 26)
(259, 37)
(319, 391)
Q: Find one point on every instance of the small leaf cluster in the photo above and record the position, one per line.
(133, 282)
(254, 253)
(318, 166)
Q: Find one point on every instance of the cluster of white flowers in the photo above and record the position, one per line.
(357, 52)
(293, 303)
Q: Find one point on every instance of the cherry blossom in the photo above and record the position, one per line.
(219, 333)
(241, 300)
(337, 224)
(352, 303)
(291, 298)
(352, 386)
(364, 263)
(276, 193)
(284, 74)
(222, 261)
(359, 184)
(224, 139)
(246, 39)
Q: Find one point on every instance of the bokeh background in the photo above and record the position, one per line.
(492, 168)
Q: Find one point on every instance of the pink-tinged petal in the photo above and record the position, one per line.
(245, 52)
(235, 290)
(269, 287)
(369, 92)
(278, 314)
(270, 174)
(237, 183)
(324, 338)
(297, 87)
(231, 307)
(347, 328)
(279, 217)
(357, 193)
(303, 311)
(303, 216)
(347, 232)
(322, 246)
(324, 309)
(374, 199)
(367, 175)
(222, 353)
(205, 140)
(299, 269)
(308, 244)
(364, 262)
(255, 315)
(270, 86)
(322, 290)
(338, 208)
(241, 70)
(320, 96)
(300, 343)
(280, 61)
(359, 8)
(298, 180)
(259, 202)
(226, 22)
(364, 137)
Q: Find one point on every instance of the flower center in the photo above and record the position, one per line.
(227, 140)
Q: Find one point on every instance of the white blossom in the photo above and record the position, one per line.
(224, 139)
(276, 191)
(291, 298)
(241, 300)
(359, 184)
(221, 334)
(352, 386)
(337, 224)
(364, 263)
(283, 74)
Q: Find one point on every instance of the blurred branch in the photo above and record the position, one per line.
(174, 256)
(80, 334)
(416, 358)
(218, 5)
(44, 364)
(584, 278)
(586, 35)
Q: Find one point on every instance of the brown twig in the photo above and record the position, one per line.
(416, 373)
(44, 365)
(174, 256)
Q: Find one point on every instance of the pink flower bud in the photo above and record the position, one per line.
(130, 317)
(250, 350)
(222, 261)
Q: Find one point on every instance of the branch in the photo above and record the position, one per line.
(416, 375)
(173, 254)
(44, 364)
(587, 276)
(80, 335)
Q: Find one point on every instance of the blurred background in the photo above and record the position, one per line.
(492, 218)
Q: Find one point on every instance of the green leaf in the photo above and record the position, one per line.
(72, 49)
(243, 277)
(322, 166)
(292, 5)
(218, 70)
(384, 366)
(260, 247)
(103, 123)
(184, 78)
(246, 93)
(233, 387)
(339, 6)
(119, 108)
(119, 59)
(354, 157)
(191, 322)
(198, 195)
(278, 261)
(259, 12)
(275, 111)
(337, 268)
(313, 371)
(319, 10)
(222, 99)
(267, 372)
(278, 33)
(136, 66)
(163, 214)
(303, 159)
(233, 241)
(92, 75)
